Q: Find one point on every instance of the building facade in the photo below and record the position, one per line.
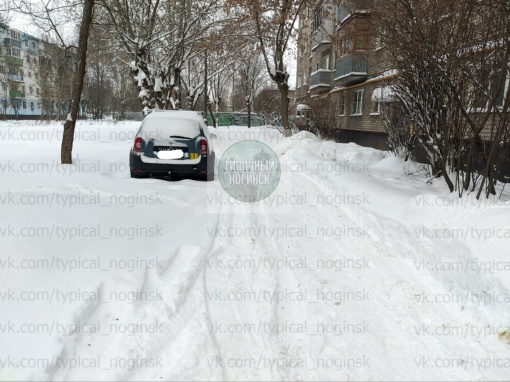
(343, 74)
(35, 76)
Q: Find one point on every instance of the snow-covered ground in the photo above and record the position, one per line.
(353, 269)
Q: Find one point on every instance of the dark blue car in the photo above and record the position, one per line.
(172, 144)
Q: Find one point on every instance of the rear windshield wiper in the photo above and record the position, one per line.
(179, 136)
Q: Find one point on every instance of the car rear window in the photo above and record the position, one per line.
(161, 128)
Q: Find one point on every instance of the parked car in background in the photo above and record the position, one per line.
(172, 144)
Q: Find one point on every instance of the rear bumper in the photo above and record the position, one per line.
(204, 167)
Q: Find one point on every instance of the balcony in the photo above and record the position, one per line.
(15, 94)
(15, 77)
(351, 69)
(10, 60)
(321, 38)
(11, 42)
(353, 7)
(321, 79)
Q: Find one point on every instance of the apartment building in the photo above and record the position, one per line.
(343, 74)
(345, 77)
(35, 76)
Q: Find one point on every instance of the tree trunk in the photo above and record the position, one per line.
(70, 124)
(213, 118)
(284, 98)
(248, 108)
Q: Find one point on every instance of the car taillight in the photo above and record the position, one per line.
(203, 147)
(138, 145)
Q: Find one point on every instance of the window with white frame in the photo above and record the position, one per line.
(325, 60)
(376, 107)
(357, 103)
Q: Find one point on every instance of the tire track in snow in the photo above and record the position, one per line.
(236, 299)
(167, 327)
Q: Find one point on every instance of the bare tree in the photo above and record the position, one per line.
(252, 74)
(52, 17)
(160, 38)
(70, 124)
(452, 59)
(273, 23)
(267, 103)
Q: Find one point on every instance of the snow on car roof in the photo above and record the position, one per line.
(174, 114)
(164, 124)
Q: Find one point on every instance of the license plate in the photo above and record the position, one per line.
(170, 154)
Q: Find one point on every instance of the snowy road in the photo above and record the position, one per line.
(353, 269)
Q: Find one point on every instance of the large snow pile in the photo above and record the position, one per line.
(353, 269)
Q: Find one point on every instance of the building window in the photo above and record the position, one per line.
(317, 17)
(24, 104)
(353, 36)
(490, 88)
(11, 51)
(15, 35)
(357, 103)
(376, 108)
(32, 105)
(342, 104)
(325, 60)
(37, 91)
(30, 90)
